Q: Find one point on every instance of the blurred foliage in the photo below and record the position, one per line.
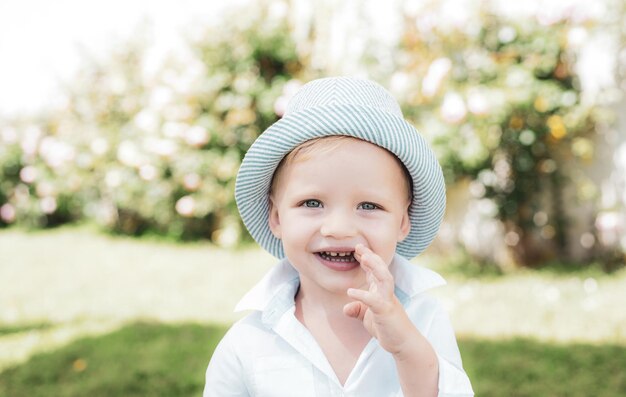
(37, 186)
(152, 151)
(501, 104)
(143, 147)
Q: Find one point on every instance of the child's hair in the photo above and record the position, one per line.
(326, 144)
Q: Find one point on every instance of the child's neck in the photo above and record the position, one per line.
(322, 307)
(340, 337)
(318, 301)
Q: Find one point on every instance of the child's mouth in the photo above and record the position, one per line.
(341, 261)
(337, 256)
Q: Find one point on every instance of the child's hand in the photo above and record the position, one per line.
(382, 314)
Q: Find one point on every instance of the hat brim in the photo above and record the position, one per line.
(370, 124)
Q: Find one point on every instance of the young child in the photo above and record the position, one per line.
(344, 191)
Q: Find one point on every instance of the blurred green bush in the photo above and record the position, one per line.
(501, 104)
(152, 151)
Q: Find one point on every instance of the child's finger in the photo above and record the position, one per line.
(374, 263)
(368, 298)
(369, 277)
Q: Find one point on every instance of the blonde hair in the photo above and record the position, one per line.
(326, 144)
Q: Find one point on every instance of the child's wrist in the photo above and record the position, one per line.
(414, 345)
(408, 349)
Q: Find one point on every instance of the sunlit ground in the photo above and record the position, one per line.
(56, 286)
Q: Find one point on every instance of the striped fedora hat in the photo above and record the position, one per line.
(342, 106)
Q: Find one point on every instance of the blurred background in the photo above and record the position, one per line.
(123, 124)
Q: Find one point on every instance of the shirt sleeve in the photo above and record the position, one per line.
(225, 375)
(453, 381)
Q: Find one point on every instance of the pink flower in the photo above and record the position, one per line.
(7, 213)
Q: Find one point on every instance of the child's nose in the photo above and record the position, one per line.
(338, 224)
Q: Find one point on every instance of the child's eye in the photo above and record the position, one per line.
(312, 203)
(368, 206)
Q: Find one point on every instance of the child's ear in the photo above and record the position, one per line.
(274, 220)
(405, 226)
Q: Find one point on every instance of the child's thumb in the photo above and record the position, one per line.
(355, 310)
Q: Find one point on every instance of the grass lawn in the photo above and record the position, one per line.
(150, 359)
(92, 279)
(67, 296)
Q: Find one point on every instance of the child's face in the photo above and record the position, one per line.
(333, 200)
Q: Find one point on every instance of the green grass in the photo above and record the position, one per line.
(522, 367)
(138, 360)
(158, 360)
(16, 329)
(90, 279)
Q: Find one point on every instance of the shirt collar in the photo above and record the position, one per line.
(281, 282)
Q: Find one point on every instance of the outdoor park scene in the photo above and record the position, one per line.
(123, 255)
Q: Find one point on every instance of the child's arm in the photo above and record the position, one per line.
(385, 319)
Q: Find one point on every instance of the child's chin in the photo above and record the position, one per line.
(341, 286)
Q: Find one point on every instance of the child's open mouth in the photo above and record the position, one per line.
(337, 256)
(341, 261)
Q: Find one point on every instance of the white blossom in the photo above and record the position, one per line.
(477, 103)
(99, 146)
(147, 172)
(56, 153)
(192, 181)
(30, 139)
(196, 136)
(8, 135)
(147, 120)
(172, 129)
(434, 76)
(28, 174)
(161, 147)
(48, 205)
(128, 154)
(185, 206)
(453, 109)
(113, 178)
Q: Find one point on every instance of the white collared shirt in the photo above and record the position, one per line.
(269, 353)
